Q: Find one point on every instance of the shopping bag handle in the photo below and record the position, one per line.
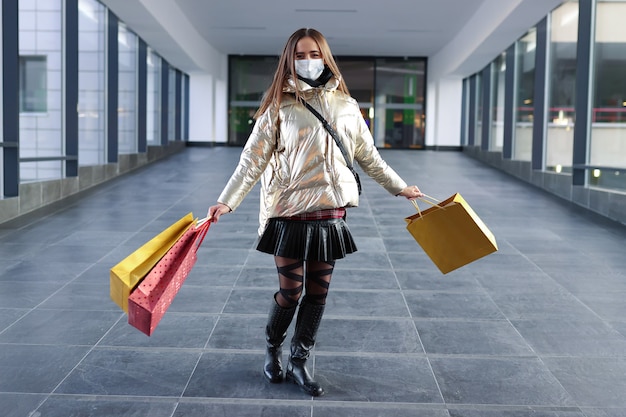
(426, 198)
(202, 227)
(202, 221)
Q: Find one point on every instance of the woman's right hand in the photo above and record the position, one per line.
(216, 211)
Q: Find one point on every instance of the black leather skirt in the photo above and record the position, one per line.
(309, 240)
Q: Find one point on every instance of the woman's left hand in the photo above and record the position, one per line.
(411, 192)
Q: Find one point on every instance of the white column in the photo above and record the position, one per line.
(201, 108)
(443, 121)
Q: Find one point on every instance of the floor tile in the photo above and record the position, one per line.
(465, 337)
(435, 281)
(239, 332)
(592, 382)
(502, 381)
(451, 305)
(60, 327)
(572, 338)
(236, 375)
(64, 406)
(382, 336)
(229, 409)
(81, 296)
(368, 409)
(36, 368)
(8, 316)
(18, 294)
(131, 372)
(175, 330)
(19, 405)
(403, 379)
(523, 412)
(32, 271)
(366, 303)
(199, 299)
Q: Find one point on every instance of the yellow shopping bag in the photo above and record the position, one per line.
(451, 233)
(127, 274)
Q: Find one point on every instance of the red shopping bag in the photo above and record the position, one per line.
(150, 300)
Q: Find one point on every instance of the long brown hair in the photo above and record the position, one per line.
(286, 67)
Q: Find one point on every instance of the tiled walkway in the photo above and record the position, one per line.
(536, 329)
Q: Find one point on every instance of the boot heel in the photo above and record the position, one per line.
(299, 375)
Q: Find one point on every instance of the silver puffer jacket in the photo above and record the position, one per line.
(301, 168)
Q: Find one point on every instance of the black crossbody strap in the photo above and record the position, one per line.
(335, 136)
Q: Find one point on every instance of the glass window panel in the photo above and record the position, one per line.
(562, 87)
(91, 81)
(153, 116)
(249, 78)
(608, 129)
(498, 69)
(171, 106)
(524, 96)
(41, 88)
(33, 84)
(478, 130)
(359, 76)
(127, 90)
(394, 107)
(40, 171)
(183, 109)
(399, 103)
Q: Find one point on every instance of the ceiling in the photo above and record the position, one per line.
(352, 27)
(458, 36)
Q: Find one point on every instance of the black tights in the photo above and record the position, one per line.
(291, 274)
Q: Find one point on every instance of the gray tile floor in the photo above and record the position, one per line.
(536, 329)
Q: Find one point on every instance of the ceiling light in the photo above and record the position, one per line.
(325, 10)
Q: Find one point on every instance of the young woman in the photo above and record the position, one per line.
(306, 186)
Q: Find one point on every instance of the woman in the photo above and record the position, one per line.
(306, 186)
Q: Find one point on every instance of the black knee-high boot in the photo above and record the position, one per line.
(278, 322)
(309, 318)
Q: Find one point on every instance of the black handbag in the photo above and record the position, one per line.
(335, 136)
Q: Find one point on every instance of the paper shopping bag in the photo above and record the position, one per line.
(451, 234)
(126, 275)
(148, 302)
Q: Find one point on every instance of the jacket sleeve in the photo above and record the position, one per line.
(254, 158)
(369, 159)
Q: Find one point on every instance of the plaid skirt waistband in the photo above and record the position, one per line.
(337, 213)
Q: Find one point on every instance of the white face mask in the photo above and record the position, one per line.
(309, 68)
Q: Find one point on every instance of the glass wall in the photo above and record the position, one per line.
(498, 71)
(399, 103)
(153, 116)
(608, 131)
(127, 90)
(562, 87)
(478, 130)
(91, 82)
(391, 94)
(248, 79)
(171, 106)
(524, 96)
(62, 96)
(1, 122)
(41, 90)
(183, 109)
(359, 76)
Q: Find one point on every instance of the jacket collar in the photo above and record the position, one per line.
(306, 89)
